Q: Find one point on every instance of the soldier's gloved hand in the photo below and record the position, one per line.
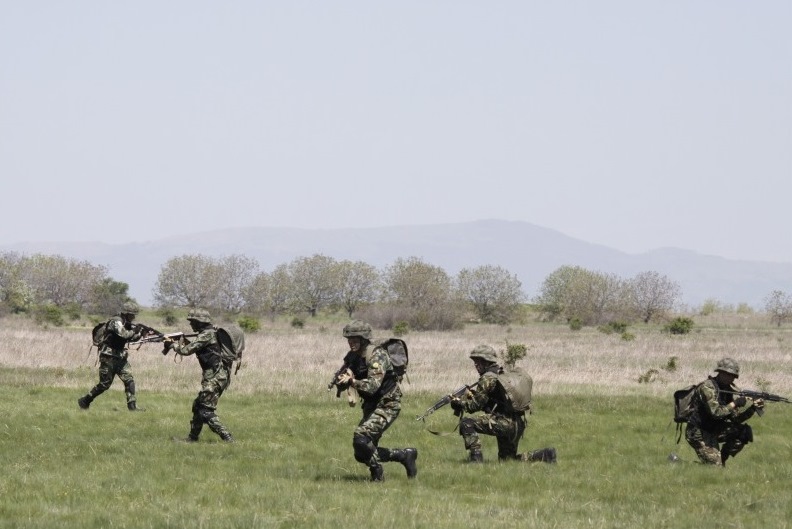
(457, 405)
(345, 377)
(759, 403)
(739, 401)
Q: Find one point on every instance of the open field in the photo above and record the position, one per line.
(293, 467)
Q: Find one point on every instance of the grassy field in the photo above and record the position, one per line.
(292, 465)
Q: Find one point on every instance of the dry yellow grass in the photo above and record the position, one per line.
(300, 362)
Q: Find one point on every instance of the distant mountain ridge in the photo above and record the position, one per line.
(530, 252)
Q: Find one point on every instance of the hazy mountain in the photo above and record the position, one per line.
(529, 251)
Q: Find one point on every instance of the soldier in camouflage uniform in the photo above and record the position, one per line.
(371, 374)
(497, 419)
(113, 357)
(215, 379)
(720, 415)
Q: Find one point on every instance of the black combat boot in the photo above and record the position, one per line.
(84, 402)
(545, 455)
(476, 456)
(132, 406)
(407, 457)
(377, 474)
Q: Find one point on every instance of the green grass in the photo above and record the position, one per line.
(293, 467)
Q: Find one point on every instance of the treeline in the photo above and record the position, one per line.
(409, 292)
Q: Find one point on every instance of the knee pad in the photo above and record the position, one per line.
(466, 427)
(746, 434)
(364, 448)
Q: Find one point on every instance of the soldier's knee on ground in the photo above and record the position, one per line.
(363, 447)
(746, 434)
(466, 427)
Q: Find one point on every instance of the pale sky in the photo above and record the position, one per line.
(632, 124)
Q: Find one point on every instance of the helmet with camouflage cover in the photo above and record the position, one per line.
(357, 328)
(199, 315)
(484, 352)
(130, 307)
(728, 365)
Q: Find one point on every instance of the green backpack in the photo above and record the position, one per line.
(399, 356)
(517, 385)
(232, 344)
(99, 335)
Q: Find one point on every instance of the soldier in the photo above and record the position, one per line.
(216, 375)
(371, 375)
(119, 331)
(499, 417)
(719, 416)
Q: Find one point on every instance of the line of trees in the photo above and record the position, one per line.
(55, 285)
(410, 290)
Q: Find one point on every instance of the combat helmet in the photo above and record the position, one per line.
(130, 307)
(728, 365)
(484, 352)
(357, 328)
(199, 315)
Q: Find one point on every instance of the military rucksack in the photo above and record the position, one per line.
(232, 344)
(517, 385)
(399, 356)
(684, 403)
(99, 335)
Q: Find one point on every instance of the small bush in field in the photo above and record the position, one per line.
(297, 322)
(671, 365)
(680, 325)
(401, 328)
(168, 316)
(649, 376)
(575, 324)
(249, 324)
(515, 352)
(627, 336)
(49, 314)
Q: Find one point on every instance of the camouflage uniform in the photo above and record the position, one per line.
(378, 386)
(498, 418)
(215, 378)
(113, 362)
(713, 422)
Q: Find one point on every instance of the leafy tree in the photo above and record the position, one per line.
(235, 274)
(359, 284)
(314, 281)
(778, 305)
(653, 295)
(270, 292)
(108, 296)
(493, 292)
(188, 281)
(584, 296)
(56, 280)
(422, 292)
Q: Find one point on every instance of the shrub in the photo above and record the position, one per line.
(249, 324)
(168, 316)
(627, 336)
(575, 324)
(401, 328)
(297, 322)
(49, 314)
(613, 327)
(679, 325)
(514, 352)
(649, 376)
(671, 365)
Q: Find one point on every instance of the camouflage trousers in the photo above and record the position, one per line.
(508, 430)
(109, 368)
(213, 383)
(707, 443)
(367, 435)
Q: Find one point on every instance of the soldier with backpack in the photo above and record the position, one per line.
(112, 338)
(216, 368)
(504, 397)
(716, 427)
(371, 373)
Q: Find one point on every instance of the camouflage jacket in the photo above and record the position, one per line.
(712, 409)
(488, 396)
(374, 376)
(118, 337)
(205, 346)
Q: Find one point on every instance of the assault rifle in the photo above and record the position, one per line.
(152, 335)
(446, 400)
(767, 397)
(351, 397)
